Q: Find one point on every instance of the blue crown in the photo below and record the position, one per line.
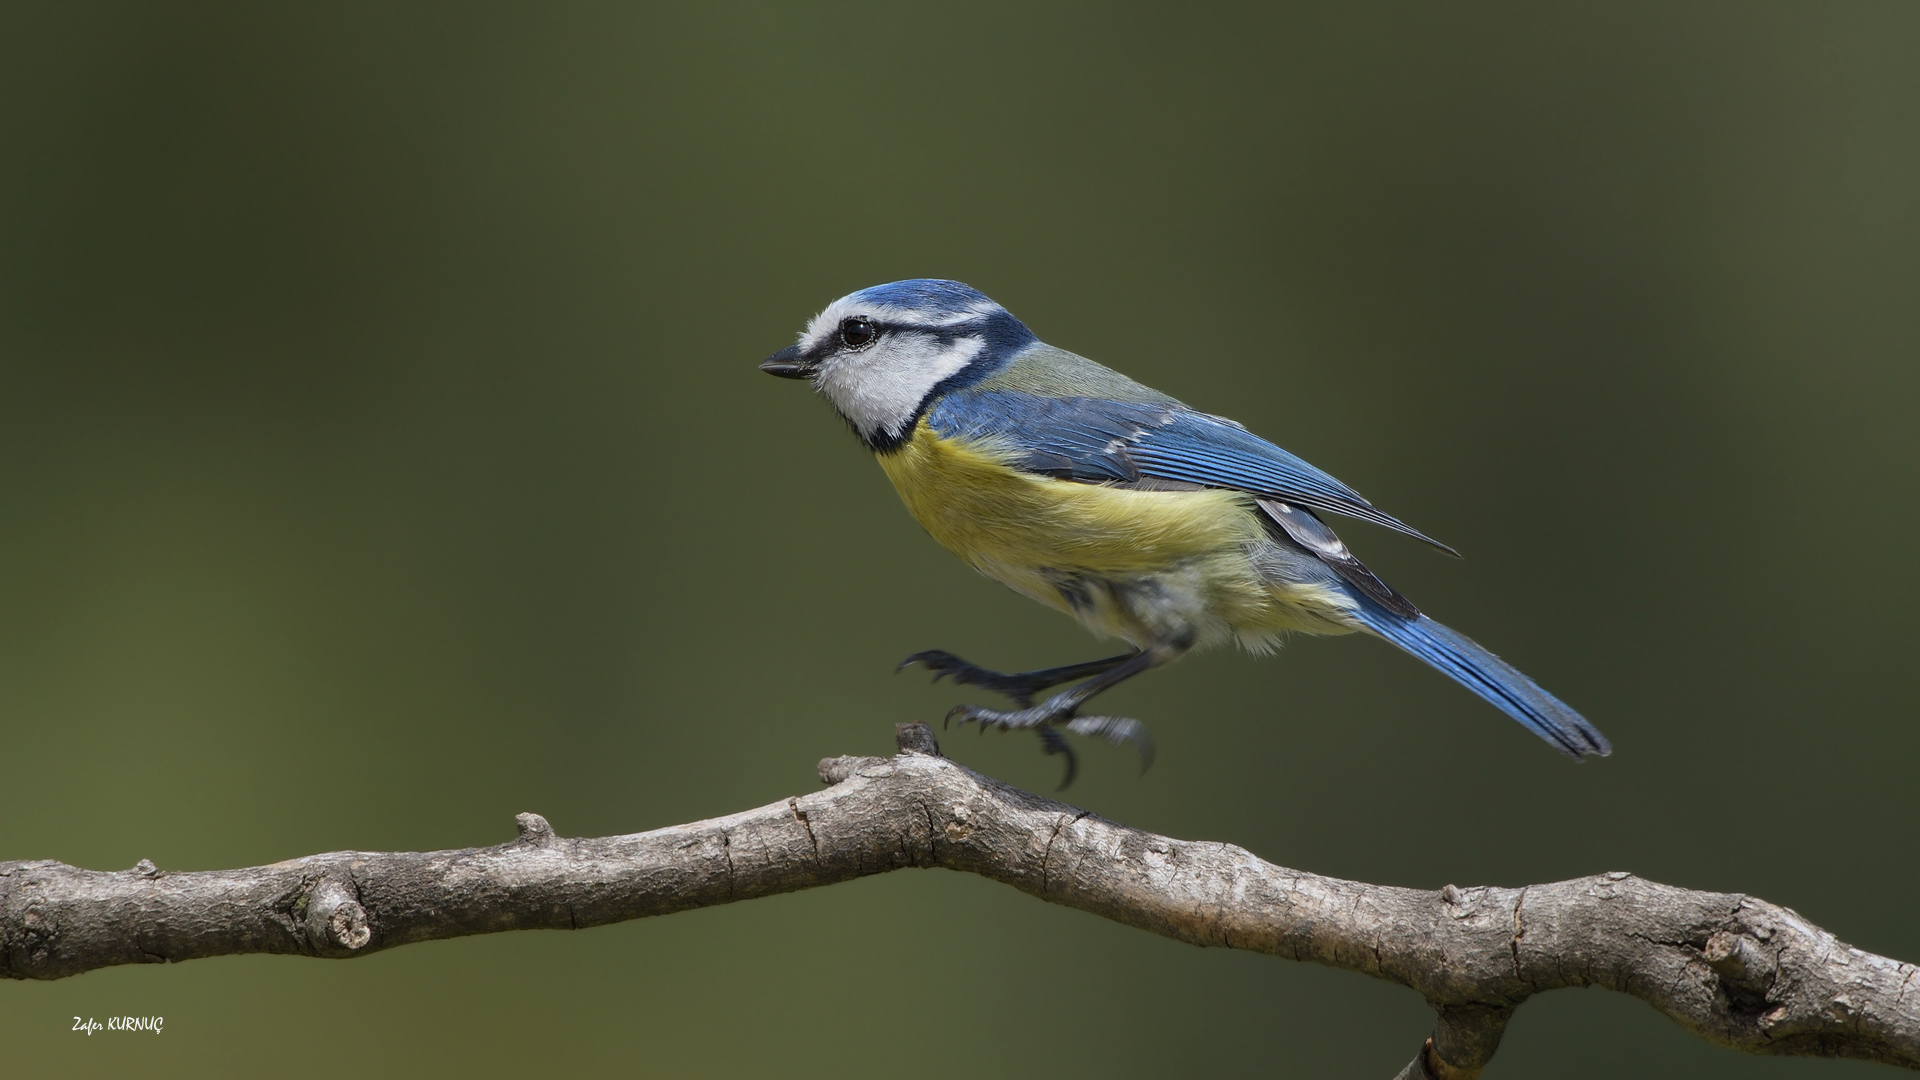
(931, 295)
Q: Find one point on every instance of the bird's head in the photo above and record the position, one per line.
(882, 354)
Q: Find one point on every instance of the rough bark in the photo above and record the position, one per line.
(1733, 969)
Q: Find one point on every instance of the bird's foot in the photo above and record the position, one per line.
(1049, 716)
(1018, 687)
(1051, 743)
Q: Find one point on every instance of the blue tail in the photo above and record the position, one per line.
(1485, 674)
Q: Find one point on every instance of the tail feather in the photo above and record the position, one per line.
(1500, 683)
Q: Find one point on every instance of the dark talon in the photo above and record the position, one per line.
(1051, 743)
(933, 658)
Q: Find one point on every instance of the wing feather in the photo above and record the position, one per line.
(1099, 441)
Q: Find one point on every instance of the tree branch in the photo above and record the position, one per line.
(1732, 969)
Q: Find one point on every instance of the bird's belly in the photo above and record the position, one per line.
(1142, 566)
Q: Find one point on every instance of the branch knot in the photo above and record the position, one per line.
(916, 739)
(335, 919)
(533, 829)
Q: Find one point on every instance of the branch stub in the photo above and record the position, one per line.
(916, 739)
(533, 829)
(335, 920)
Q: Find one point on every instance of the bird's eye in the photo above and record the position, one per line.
(858, 331)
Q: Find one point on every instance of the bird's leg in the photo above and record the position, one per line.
(1019, 686)
(1063, 709)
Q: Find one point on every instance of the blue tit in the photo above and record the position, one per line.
(1148, 521)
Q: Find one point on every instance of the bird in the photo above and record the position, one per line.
(1146, 520)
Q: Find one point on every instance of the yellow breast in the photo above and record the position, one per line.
(1138, 565)
(969, 498)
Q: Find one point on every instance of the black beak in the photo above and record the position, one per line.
(788, 364)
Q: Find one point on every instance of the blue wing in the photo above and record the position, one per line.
(1096, 440)
(1099, 441)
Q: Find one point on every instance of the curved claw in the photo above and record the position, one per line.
(974, 714)
(940, 662)
(1051, 743)
(1119, 731)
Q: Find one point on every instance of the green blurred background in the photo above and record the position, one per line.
(382, 454)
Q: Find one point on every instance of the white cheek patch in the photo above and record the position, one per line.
(880, 389)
